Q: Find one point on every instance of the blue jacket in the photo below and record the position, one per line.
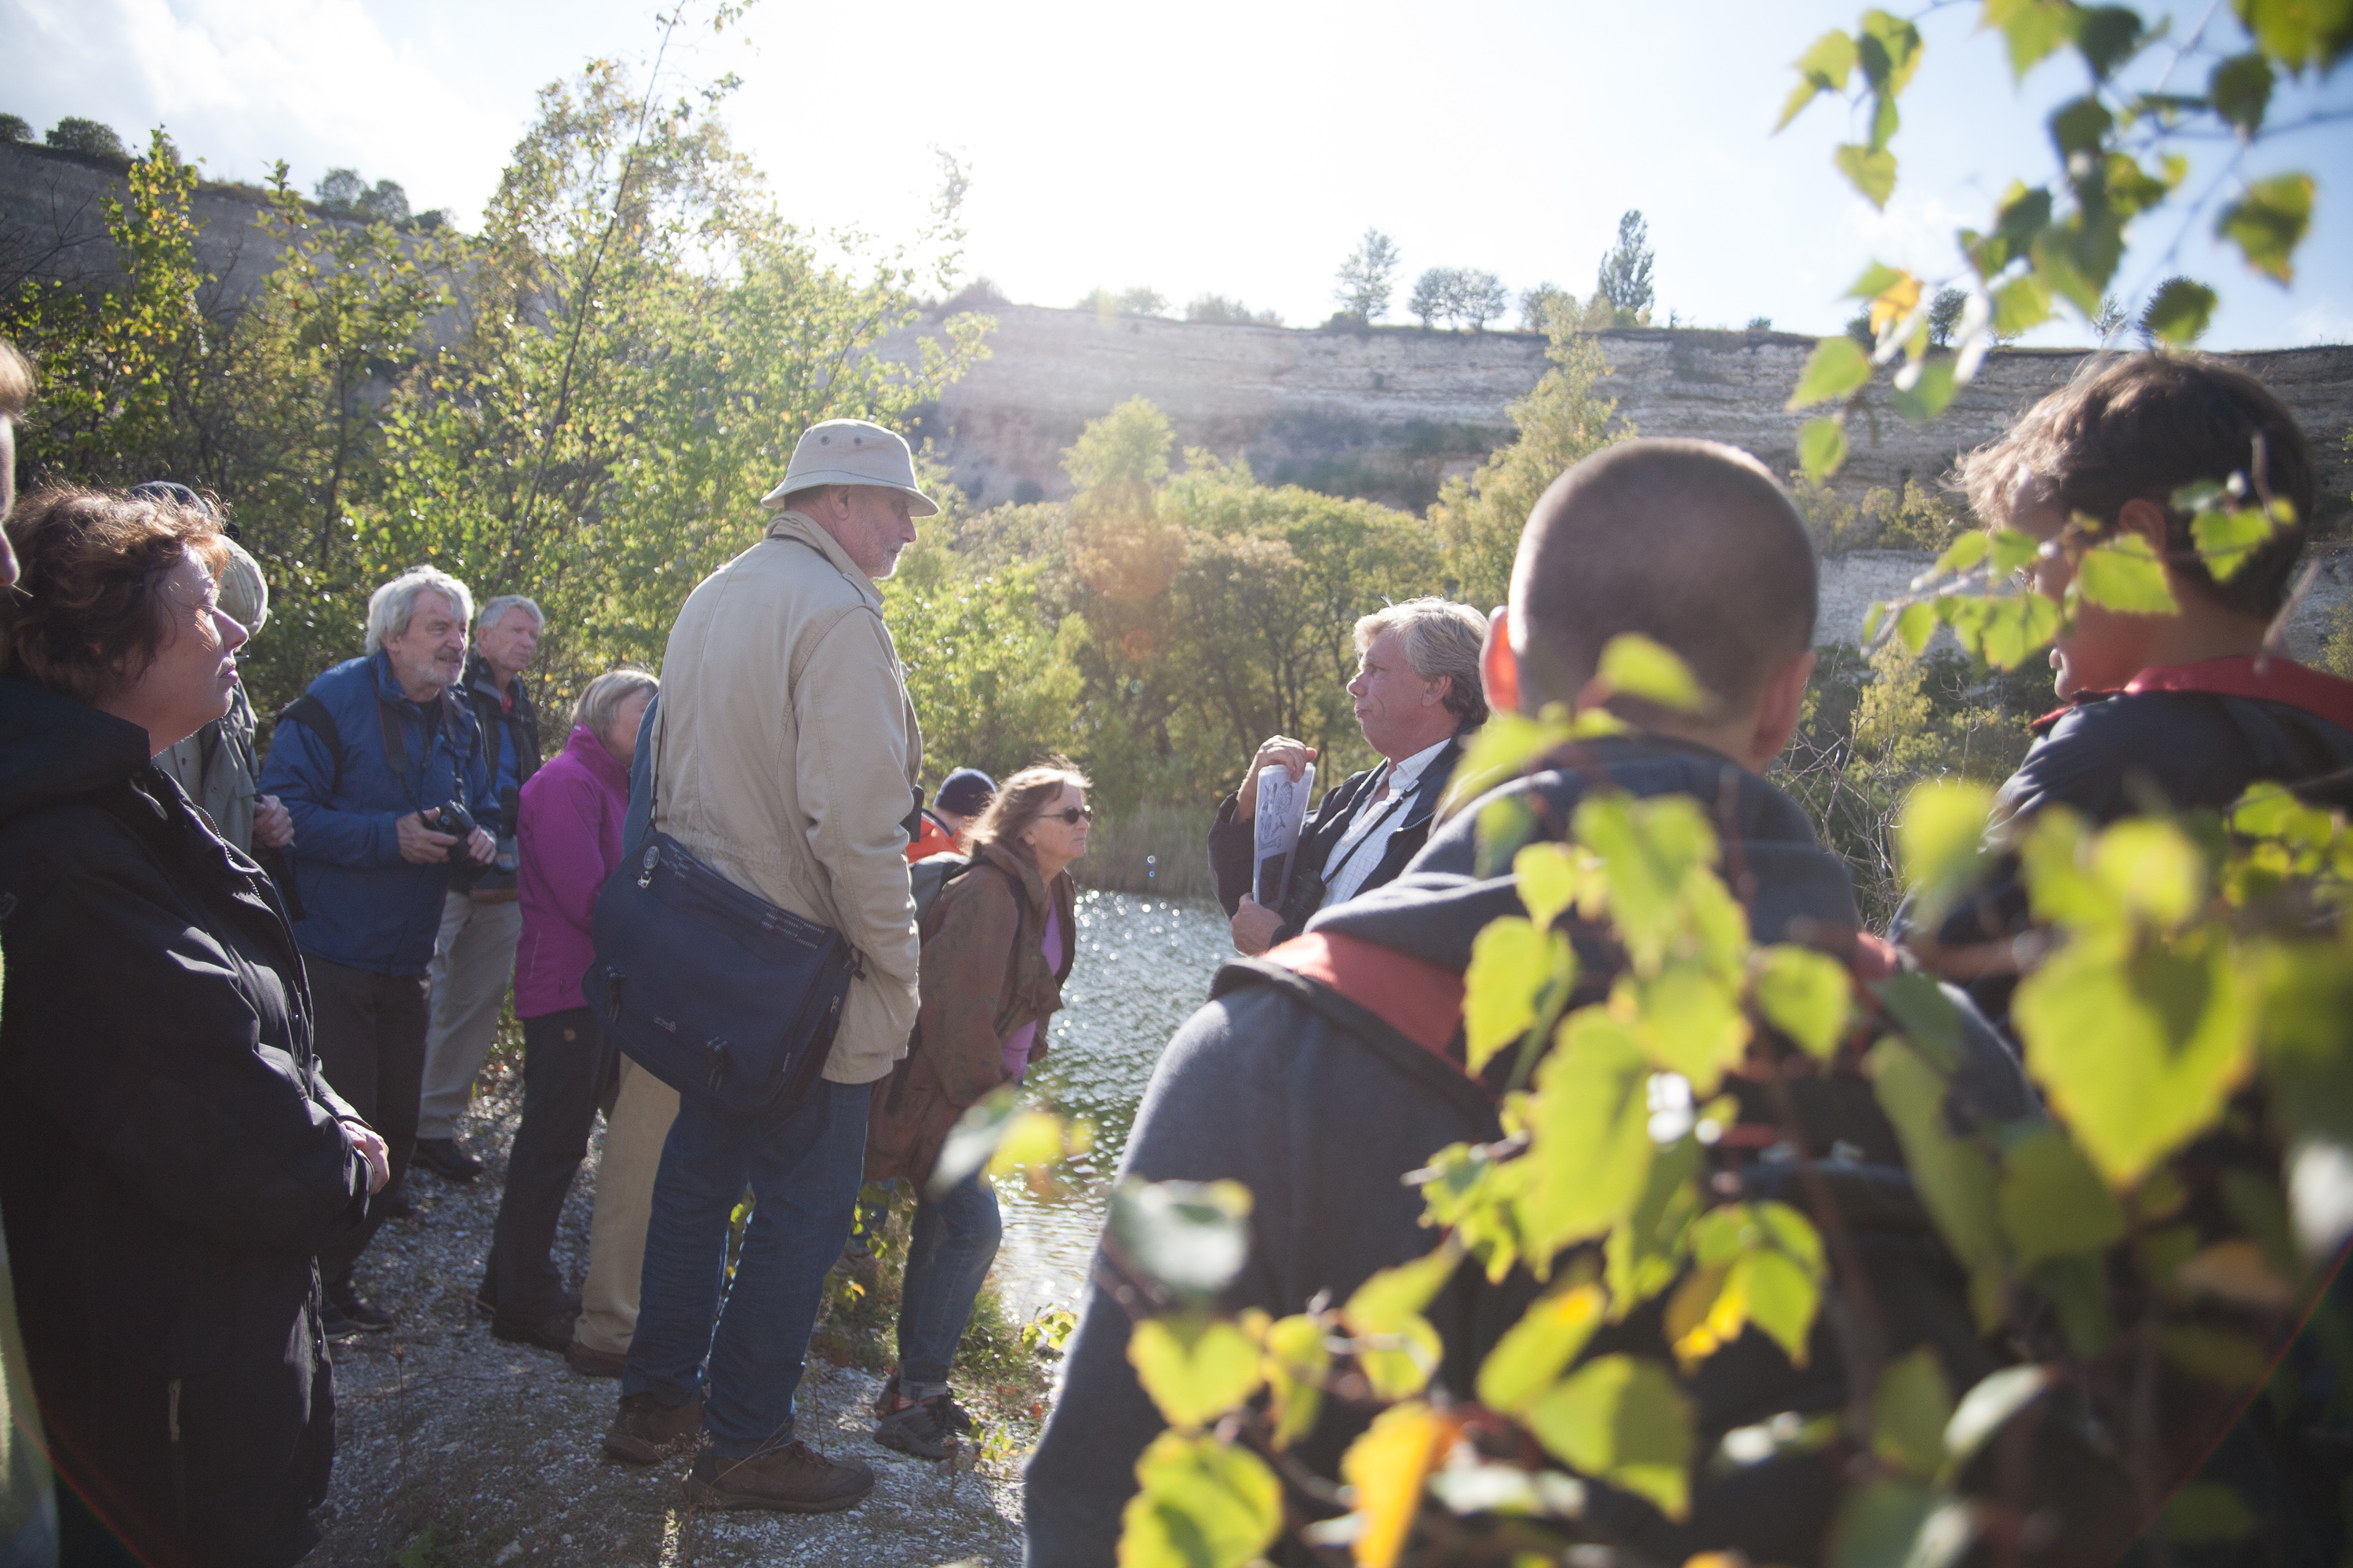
(362, 905)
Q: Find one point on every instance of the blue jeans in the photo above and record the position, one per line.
(948, 1254)
(803, 1168)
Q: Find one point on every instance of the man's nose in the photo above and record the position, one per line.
(233, 633)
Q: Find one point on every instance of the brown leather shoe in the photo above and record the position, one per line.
(590, 1363)
(794, 1478)
(646, 1431)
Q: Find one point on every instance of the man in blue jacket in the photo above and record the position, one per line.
(366, 760)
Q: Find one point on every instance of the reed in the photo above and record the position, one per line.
(1158, 846)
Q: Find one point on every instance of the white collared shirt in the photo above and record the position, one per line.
(1358, 854)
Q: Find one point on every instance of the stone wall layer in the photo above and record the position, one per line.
(1397, 409)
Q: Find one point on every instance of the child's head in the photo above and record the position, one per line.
(2114, 445)
(1690, 543)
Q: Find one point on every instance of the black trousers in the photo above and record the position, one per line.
(568, 1071)
(371, 1041)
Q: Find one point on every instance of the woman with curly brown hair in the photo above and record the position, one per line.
(170, 1155)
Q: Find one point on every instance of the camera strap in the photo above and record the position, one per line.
(396, 745)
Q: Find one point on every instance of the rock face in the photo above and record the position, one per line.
(53, 224)
(1391, 412)
(1387, 413)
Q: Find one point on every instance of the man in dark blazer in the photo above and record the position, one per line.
(1418, 695)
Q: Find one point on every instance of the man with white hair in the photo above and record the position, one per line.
(1416, 695)
(474, 955)
(366, 760)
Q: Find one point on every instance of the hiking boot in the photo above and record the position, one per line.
(958, 1420)
(921, 1429)
(646, 1431)
(590, 1363)
(447, 1158)
(334, 1326)
(794, 1478)
(363, 1315)
(552, 1332)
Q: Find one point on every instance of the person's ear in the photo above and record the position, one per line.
(1499, 667)
(1779, 702)
(1437, 691)
(2144, 518)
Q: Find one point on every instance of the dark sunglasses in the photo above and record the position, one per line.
(1073, 815)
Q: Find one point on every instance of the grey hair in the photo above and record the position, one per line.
(603, 695)
(391, 607)
(501, 605)
(1439, 637)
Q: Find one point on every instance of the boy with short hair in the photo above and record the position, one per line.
(2181, 711)
(1324, 1071)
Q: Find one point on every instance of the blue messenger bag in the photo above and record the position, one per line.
(729, 999)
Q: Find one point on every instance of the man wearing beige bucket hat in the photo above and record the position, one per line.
(784, 756)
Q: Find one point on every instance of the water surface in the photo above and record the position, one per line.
(1143, 965)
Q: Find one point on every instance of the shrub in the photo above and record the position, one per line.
(88, 137)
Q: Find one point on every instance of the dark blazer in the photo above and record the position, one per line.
(1231, 843)
(170, 1157)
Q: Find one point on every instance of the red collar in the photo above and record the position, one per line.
(2281, 681)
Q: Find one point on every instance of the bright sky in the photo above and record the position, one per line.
(1235, 147)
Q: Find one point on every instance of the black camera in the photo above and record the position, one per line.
(453, 818)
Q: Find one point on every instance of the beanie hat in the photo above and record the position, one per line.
(965, 791)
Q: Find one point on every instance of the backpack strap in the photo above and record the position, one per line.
(312, 715)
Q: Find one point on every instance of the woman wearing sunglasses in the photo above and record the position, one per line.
(997, 946)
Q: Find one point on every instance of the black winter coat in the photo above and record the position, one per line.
(170, 1157)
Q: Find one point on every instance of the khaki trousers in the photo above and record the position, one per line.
(473, 964)
(634, 1135)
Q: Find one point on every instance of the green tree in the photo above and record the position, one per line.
(1624, 278)
(1559, 421)
(1366, 277)
(1218, 308)
(75, 134)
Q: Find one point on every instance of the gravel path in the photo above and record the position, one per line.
(456, 1449)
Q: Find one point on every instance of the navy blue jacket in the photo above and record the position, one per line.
(362, 906)
(2183, 737)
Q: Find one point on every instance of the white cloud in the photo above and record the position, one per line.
(2326, 323)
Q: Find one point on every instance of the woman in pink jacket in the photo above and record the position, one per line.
(568, 839)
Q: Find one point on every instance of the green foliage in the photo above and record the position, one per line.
(1366, 277)
(1139, 300)
(15, 128)
(1459, 296)
(1624, 276)
(1916, 517)
(89, 137)
(1218, 308)
(1558, 422)
(2190, 1018)
(2119, 167)
(583, 402)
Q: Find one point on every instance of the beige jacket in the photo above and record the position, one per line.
(216, 768)
(786, 757)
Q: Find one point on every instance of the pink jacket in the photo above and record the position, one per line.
(568, 836)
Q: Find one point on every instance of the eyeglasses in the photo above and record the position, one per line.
(1073, 815)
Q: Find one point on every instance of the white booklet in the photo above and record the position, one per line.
(1283, 807)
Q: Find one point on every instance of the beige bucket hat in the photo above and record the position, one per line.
(243, 595)
(852, 452)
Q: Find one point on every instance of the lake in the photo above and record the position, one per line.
(1143, 966)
